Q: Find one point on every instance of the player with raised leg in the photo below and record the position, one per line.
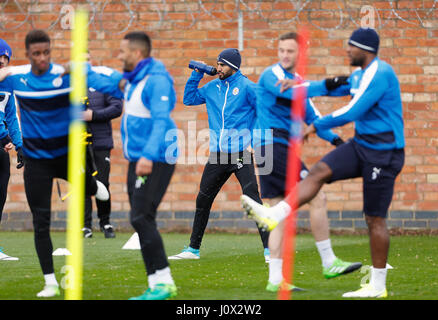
(376, 153)
(274, 113)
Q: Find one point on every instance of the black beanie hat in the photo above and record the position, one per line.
(366, 39)
(230, 57)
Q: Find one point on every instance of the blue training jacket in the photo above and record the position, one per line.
(376, 107)
(8, 114)
(274, 108)
(44, 108)
(147, 129)
(231, 109)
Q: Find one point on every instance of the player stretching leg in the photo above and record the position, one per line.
(273, 111)
(376, 153)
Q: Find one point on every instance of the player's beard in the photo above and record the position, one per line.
(224, 75)
(128, 67)
(357, 61)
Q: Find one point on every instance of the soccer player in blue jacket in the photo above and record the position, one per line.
(149, 139)
(274, 119)
(43, 98)
(376, 153)
(10, 135)
(231, 107)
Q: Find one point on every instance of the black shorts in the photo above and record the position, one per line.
(273, 184)
(378, 168)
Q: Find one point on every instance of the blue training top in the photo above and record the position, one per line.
(376, 107)
(8, 114)
(44, 108)
(231, 108)
(147, 128)
(274, 107)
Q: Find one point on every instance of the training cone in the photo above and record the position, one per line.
(133, 243)
(61, 252)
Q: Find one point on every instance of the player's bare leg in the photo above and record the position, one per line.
(379, 244)
(318, 217)
(379, 240)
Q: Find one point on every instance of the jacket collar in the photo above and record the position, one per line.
(139, 71)
(294, 75)
(374, 60)
(231, 78)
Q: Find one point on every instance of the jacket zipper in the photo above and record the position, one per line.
(223, 118)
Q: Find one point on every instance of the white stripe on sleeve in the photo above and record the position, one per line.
(366, 80)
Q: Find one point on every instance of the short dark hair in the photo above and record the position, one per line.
(142, 39)
(290, 36)
(36, 36)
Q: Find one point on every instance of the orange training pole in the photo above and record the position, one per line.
(294, 166)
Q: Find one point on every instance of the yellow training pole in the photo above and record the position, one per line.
(76, 158)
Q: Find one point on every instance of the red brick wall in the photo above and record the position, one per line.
(182, 30)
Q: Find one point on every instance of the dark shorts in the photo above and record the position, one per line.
(273, 184)
(378, 168)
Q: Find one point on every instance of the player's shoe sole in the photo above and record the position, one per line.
(259, 213)
(367, 291)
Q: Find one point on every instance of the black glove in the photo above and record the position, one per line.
(334, 83)
(5, 141)
(337, 142)
(20, 158)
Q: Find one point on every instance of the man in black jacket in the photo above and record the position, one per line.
(100, 110)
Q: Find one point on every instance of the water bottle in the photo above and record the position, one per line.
(202, 68)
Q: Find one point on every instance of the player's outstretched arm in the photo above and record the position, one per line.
(105, 80)
(337, 86)
(369, 92)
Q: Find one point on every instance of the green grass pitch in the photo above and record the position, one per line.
(231, 267)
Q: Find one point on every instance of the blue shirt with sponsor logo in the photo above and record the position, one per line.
(375, 108)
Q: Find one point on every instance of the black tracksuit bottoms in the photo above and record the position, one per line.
(38, 182)
(145, 194)
(217, 171)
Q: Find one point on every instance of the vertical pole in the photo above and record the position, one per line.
(76, 157)
(294, 167)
